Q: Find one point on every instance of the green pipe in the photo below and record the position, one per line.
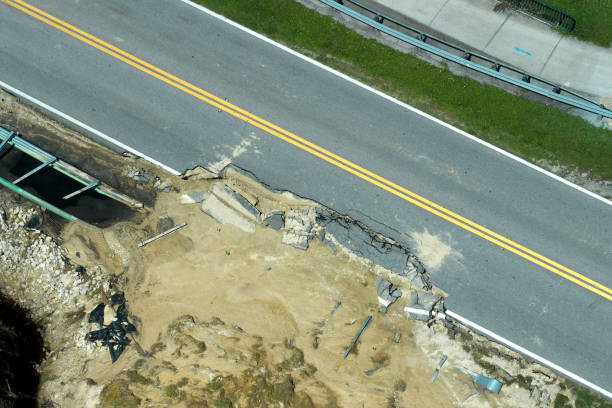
(37, 200)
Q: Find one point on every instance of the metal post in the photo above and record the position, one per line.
(5, 141)
(36, 170)
(82, 190)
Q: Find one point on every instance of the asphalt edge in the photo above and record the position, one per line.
(85, 127)
(396, 101)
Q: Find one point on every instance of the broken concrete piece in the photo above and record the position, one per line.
(387, 294)
(299, 228)
(236, 201)
(295, 240)
(194, 197)
(422, 301)
(275, 219)
(225, 215)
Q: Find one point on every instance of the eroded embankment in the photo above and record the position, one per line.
(234, 313)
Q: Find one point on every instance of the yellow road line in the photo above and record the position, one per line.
(312, 145)
(313, 149)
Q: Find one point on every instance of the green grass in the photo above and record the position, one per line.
(525, 128)
(593, 19)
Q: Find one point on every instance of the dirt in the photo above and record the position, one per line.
(227, 318)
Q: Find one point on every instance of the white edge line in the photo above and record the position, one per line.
(448, 312)
(528, 353)
(86, 127)
(396, 101)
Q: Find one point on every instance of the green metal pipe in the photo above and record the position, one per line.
(37, 200)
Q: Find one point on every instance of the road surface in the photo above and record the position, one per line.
(501, 288)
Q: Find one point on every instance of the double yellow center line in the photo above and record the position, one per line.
(315, 150)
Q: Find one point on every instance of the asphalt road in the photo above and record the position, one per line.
(494, 287)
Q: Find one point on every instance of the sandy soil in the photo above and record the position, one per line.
(226, 316)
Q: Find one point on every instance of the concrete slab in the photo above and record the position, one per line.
(225, 215)
(459, 19)
(582, 66)
(523, 44)
(422, 11)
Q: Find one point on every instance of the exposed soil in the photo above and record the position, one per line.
(226, 317)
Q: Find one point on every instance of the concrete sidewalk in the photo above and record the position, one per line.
(516, 39)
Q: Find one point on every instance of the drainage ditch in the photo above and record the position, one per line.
(51, 186)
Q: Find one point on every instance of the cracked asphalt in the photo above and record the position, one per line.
(509, 295)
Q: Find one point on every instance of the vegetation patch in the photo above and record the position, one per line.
(528, 129)
(592, 20)
(117, 394)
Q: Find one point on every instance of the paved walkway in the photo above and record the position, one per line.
(516, 39)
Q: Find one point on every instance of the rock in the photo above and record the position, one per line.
(140, 175)
(109, 315)
(224, 214)
(275, 219)
(194, 197)
(397, 337)
(163, 186)
(236, 201)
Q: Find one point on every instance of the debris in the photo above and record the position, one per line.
(387, 294)
(337, 305)
(113, 335)
(275, 219)
(227, 253)
(437, 370)
(482, 381)
(224, 214)
(363, 326)
(97, 315)
(397, 337)
(236, 201)
(315, 342)
(268, 269)
(117, 299)
(370, 371)
(163, 234)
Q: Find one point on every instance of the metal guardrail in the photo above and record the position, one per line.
(8, 138)
(468, 58)
(545, 12)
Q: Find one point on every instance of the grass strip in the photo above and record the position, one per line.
(593, 19)
(525, 128)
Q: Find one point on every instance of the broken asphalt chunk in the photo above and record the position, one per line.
(422, 301)
(275, 219)
(387, 294)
